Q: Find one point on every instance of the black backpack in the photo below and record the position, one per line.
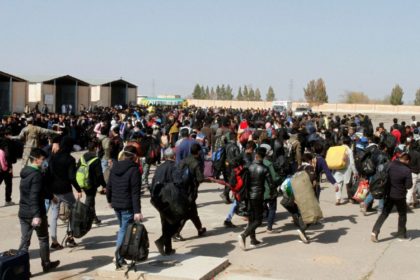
(135, 246)
(81, 219)
(390, 141)
(364, 163)
(379, 183)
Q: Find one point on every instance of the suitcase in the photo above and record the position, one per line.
(337, 157)
(305, 199)
(14, 265)
(81, 219)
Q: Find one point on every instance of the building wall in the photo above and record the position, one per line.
(83, 97)
(48, 96)
(132, 95)
(327, 107)
(19, 96)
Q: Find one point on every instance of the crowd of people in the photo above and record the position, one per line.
(251, 152)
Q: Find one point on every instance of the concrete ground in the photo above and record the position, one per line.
(340, 246)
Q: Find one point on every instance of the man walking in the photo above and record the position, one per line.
(32, 212)
(399, 180)
(258, 175)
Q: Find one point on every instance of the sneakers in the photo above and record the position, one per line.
(241, 240)
(228, 224)
(103, 191)
(9, 203)
(49, 266)
(400, 236)
(56, 246)
(70, 242)
(363, 208)
(177, 238)
(202, 231)
(374, 237)
(303, 236)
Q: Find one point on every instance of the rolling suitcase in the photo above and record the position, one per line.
(14, 265)
(305, 198)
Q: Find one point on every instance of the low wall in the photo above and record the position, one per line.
(327, 107)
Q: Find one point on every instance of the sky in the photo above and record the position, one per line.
(166, 47)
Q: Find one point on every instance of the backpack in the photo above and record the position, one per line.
(153, 153)
(379, 182)
(364, 163)
(82, 173)
(390, 141)
(219, 158)
(135, 246)
(239, 183)
(81, 219)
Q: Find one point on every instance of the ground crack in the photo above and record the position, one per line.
(369, 274)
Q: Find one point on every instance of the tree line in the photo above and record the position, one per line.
(225, 92)
(315, 93)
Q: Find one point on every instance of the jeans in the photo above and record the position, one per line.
(369, 199)
(7, 177)
(104, 165)
(42, 234)
(124, 217)
(272, 208)
(402, 215)
(255, 218)
(232, 210)
(55, 209)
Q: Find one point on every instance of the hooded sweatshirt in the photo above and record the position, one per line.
(123, 189)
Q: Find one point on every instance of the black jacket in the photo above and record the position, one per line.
(96, 176)
(123, 189)
(62, 167)
(196, 173)
(33, 192)
(258, 174)
(400, 179)
(165, 173)
(415, 161)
